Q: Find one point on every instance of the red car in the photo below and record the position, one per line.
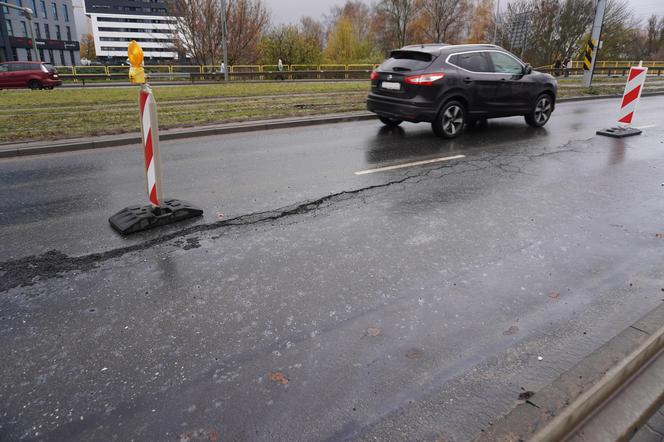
(31, 74)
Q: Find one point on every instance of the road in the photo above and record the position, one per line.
(311, 303)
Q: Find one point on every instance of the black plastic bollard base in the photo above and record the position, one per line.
(139, 218)
(619, 132)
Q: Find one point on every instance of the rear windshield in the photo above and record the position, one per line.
(406, 61)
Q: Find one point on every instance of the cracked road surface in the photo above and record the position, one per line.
(313, 304)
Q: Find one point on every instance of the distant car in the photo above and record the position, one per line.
(454, 85)
(28, 74)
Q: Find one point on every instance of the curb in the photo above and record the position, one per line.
(41, 148)
(27, 149)
(556, 411)
(590, 402)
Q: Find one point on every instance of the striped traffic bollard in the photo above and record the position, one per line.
(150, 134)
(160, 211)
(631, 96)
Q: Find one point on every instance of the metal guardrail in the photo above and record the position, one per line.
(318, 74)
(608, 71)
(610, 64)
(271, 75)
(356, 74)
(81, 71)
(170, 69)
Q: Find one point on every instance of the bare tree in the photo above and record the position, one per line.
(482, 23)
(442, 21)
(246, 20)
(398, 16)
(652, 37)
(197, 29)
(356, 12)
(574, 20)
(620, 31)
(313, 31)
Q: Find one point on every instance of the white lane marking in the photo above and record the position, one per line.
(416, 163)
(646, 126)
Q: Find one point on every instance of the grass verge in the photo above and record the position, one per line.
(66, 113)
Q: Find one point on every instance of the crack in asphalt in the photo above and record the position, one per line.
(29, 270)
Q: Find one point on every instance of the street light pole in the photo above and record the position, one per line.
(224, 38)
(27, 13)
(495, 23)
(592, 48)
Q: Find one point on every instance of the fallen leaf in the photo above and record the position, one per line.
(414, 353)
(278, 376)
(373, 332)
(526, 395)
(512, 330)
(554, 295)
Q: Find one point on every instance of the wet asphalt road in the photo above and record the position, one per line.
(406, 305)
(63, 201)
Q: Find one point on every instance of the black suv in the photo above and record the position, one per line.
(453, 85)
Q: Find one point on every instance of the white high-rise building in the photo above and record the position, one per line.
(114, 23)
(82, 21)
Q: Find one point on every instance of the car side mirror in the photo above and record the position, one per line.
(527, 69)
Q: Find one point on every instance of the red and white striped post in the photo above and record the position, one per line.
(632, 94)
(633, 89)
(160, 212)
(150, 135)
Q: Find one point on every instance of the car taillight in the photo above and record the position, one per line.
(374, 75)
(424, 80)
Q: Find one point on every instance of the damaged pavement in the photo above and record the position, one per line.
(417, 304)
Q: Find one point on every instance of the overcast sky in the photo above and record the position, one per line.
(286, 11)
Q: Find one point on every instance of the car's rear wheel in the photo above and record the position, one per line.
(450, 120)
(34, 84)
(541, 112)
(391, 122)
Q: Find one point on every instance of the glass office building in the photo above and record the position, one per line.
(54, 32)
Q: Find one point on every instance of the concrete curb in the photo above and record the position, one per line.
(40, 148)
(555, 412)
(589, 402)
(72, 145)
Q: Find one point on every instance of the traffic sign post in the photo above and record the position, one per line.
(160, 212)
(592, 47)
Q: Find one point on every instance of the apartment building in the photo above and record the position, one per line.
(114, 23)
